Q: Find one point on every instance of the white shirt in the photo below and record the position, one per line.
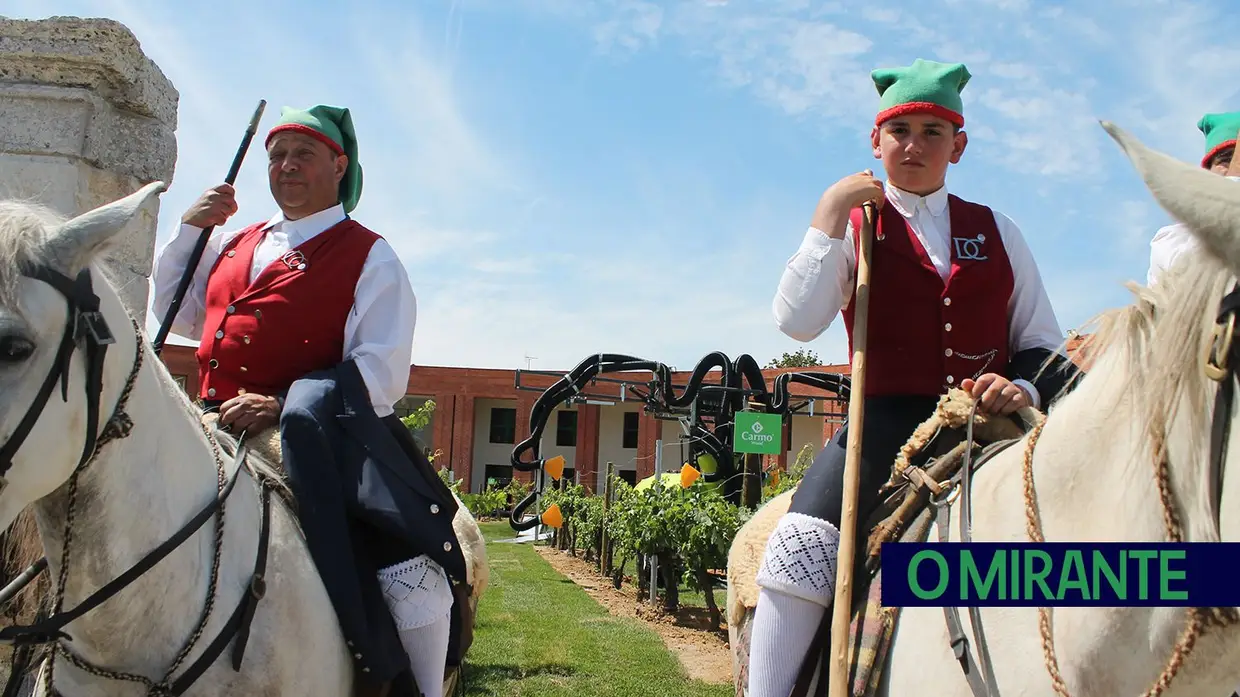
(818, 280)
(378, 331)
(1168, 245)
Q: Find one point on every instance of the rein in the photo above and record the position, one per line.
(86, 324)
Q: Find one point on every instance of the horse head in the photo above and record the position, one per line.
(68, 346)
(1193, 340)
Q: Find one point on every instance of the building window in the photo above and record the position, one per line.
(629, 476)
(566, 429)
(630, 429)
(503, 425)
(496, 476)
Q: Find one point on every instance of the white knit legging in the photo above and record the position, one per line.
(420, 600)
(797, 581)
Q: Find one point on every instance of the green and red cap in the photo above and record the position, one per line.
(333, 126)
(1220, 132)
(925, 87)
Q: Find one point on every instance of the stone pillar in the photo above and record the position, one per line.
(86, 118)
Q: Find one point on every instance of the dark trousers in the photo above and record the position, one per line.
(889, 422)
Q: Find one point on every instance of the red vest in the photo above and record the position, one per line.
(924, 335)
(262, 336)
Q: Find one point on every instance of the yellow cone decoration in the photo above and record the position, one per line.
(552, 517)
(688, 475)
(555, 467)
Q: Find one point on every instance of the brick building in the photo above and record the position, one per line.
(481, 414)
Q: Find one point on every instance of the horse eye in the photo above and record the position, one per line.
(14, 349)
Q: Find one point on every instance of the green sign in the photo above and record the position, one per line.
(759, 434)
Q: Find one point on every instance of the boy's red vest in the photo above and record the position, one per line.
(262, 336)
(925, 335)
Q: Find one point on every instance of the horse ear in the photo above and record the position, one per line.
(1208, 204)
(79, 239)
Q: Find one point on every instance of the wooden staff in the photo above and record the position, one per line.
(842, 607)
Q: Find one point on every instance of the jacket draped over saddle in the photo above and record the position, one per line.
(367, 498)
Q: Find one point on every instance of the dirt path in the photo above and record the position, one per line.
(703, 653)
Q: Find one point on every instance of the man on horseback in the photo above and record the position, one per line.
(956, 301)
(306, 322)
(1171, 241)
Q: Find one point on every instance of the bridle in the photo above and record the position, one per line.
(84, 324)
(86, 328)
(1222, 360)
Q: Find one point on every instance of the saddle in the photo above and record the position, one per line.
(929, 464)
(933, 456)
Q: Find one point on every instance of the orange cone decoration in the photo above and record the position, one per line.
(555, 467)
(688, 475)
(552, 517)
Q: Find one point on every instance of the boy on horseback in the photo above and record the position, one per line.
(306, 321)
(1171, 241)
(956, 301)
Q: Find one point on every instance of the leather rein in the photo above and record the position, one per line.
(87, 329)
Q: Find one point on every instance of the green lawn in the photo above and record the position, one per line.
(539, 634)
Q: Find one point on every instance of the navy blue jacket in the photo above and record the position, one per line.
(367, 497)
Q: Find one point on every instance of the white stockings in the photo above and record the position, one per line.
(420, 599)
(797, 580)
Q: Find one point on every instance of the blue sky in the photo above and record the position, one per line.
(567, 177)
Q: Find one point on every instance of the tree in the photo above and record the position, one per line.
(803, 358)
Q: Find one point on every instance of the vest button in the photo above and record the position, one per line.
(947, 301)
(246, 339)
(447, 546)
(434, 508)
(213, 363)
(219, 334)
(948, 353)
(950, 379)
(240, 391)
(231, 309)
(258, 314)
(232, 253)
(211, 392)
(947, 327)
(244, 369)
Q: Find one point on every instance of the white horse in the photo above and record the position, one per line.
(1123, 457)
(157, 465)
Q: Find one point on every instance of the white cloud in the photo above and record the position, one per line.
(633, 26)
(1182, 65)
(804, 67)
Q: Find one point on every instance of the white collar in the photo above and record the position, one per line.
(302, 229)
(907, 202)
